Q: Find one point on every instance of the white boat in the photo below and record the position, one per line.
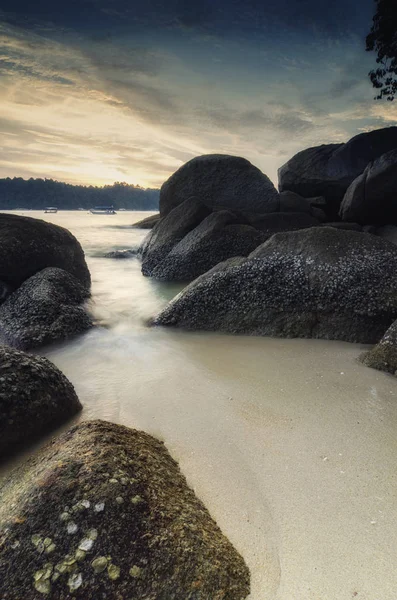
(103, 210)
(51, 209)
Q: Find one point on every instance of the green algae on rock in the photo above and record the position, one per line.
(162, 544)
(383, 356)
(35, 397)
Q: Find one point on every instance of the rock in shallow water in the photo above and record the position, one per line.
(103, 511)
(35, 397)
(30, 245)
(44, 309)
(147, 222)
(320, 282)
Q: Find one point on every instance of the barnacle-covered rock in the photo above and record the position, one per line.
(159, 543)
(320, 282)
(35, 397)
(46, 308)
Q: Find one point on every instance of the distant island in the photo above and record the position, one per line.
(36, 194)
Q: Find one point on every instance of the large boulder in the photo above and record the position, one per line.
(45, 308)
(220, 181)
(35, 397)
(384, 355)
(218, 237)
(328, 170)
(320, 282)
(104, 512)
(372, 197)
(169, 231)
(28, 246)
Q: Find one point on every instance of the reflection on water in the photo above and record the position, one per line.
(291, 444)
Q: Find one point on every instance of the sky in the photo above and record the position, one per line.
(97, 91)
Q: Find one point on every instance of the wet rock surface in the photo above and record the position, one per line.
(46, 308)
(222, 182)
(28, 246)
(104, 511)
(35, 397)
(320, 282)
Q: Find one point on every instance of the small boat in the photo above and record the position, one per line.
(51, 209)
(103, 210)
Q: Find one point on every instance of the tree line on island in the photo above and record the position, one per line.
(39, 193)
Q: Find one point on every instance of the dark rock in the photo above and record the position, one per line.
(28, 246)
(215, 239)
(5, 290)
(222, 182)
(169, 231)
(128, 253)
(44, 309)
(104, 512)
(384, 355)
(345, 226)
(387, 232)
(319, 282)
(328, 170)
(372, 197)
(319, 214)
(288, 221)
(147, 222)
(35, 397)
(291, 202)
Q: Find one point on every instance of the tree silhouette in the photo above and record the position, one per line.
(382, 39)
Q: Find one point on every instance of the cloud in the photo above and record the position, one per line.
(132, 106)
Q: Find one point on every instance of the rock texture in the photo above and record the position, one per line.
(147, 222)
(44, 309)
(35, 397)
(328, 170)
(320, 282)
(191, 239)
(218, 237)
(169, 231)
(28, 246)
(104, 512)
(220, 181)
(372, 197)
(384, 355)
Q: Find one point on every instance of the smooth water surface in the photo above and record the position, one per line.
(291, 444)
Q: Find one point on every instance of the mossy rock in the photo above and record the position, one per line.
(104, 512)
(383, 356)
